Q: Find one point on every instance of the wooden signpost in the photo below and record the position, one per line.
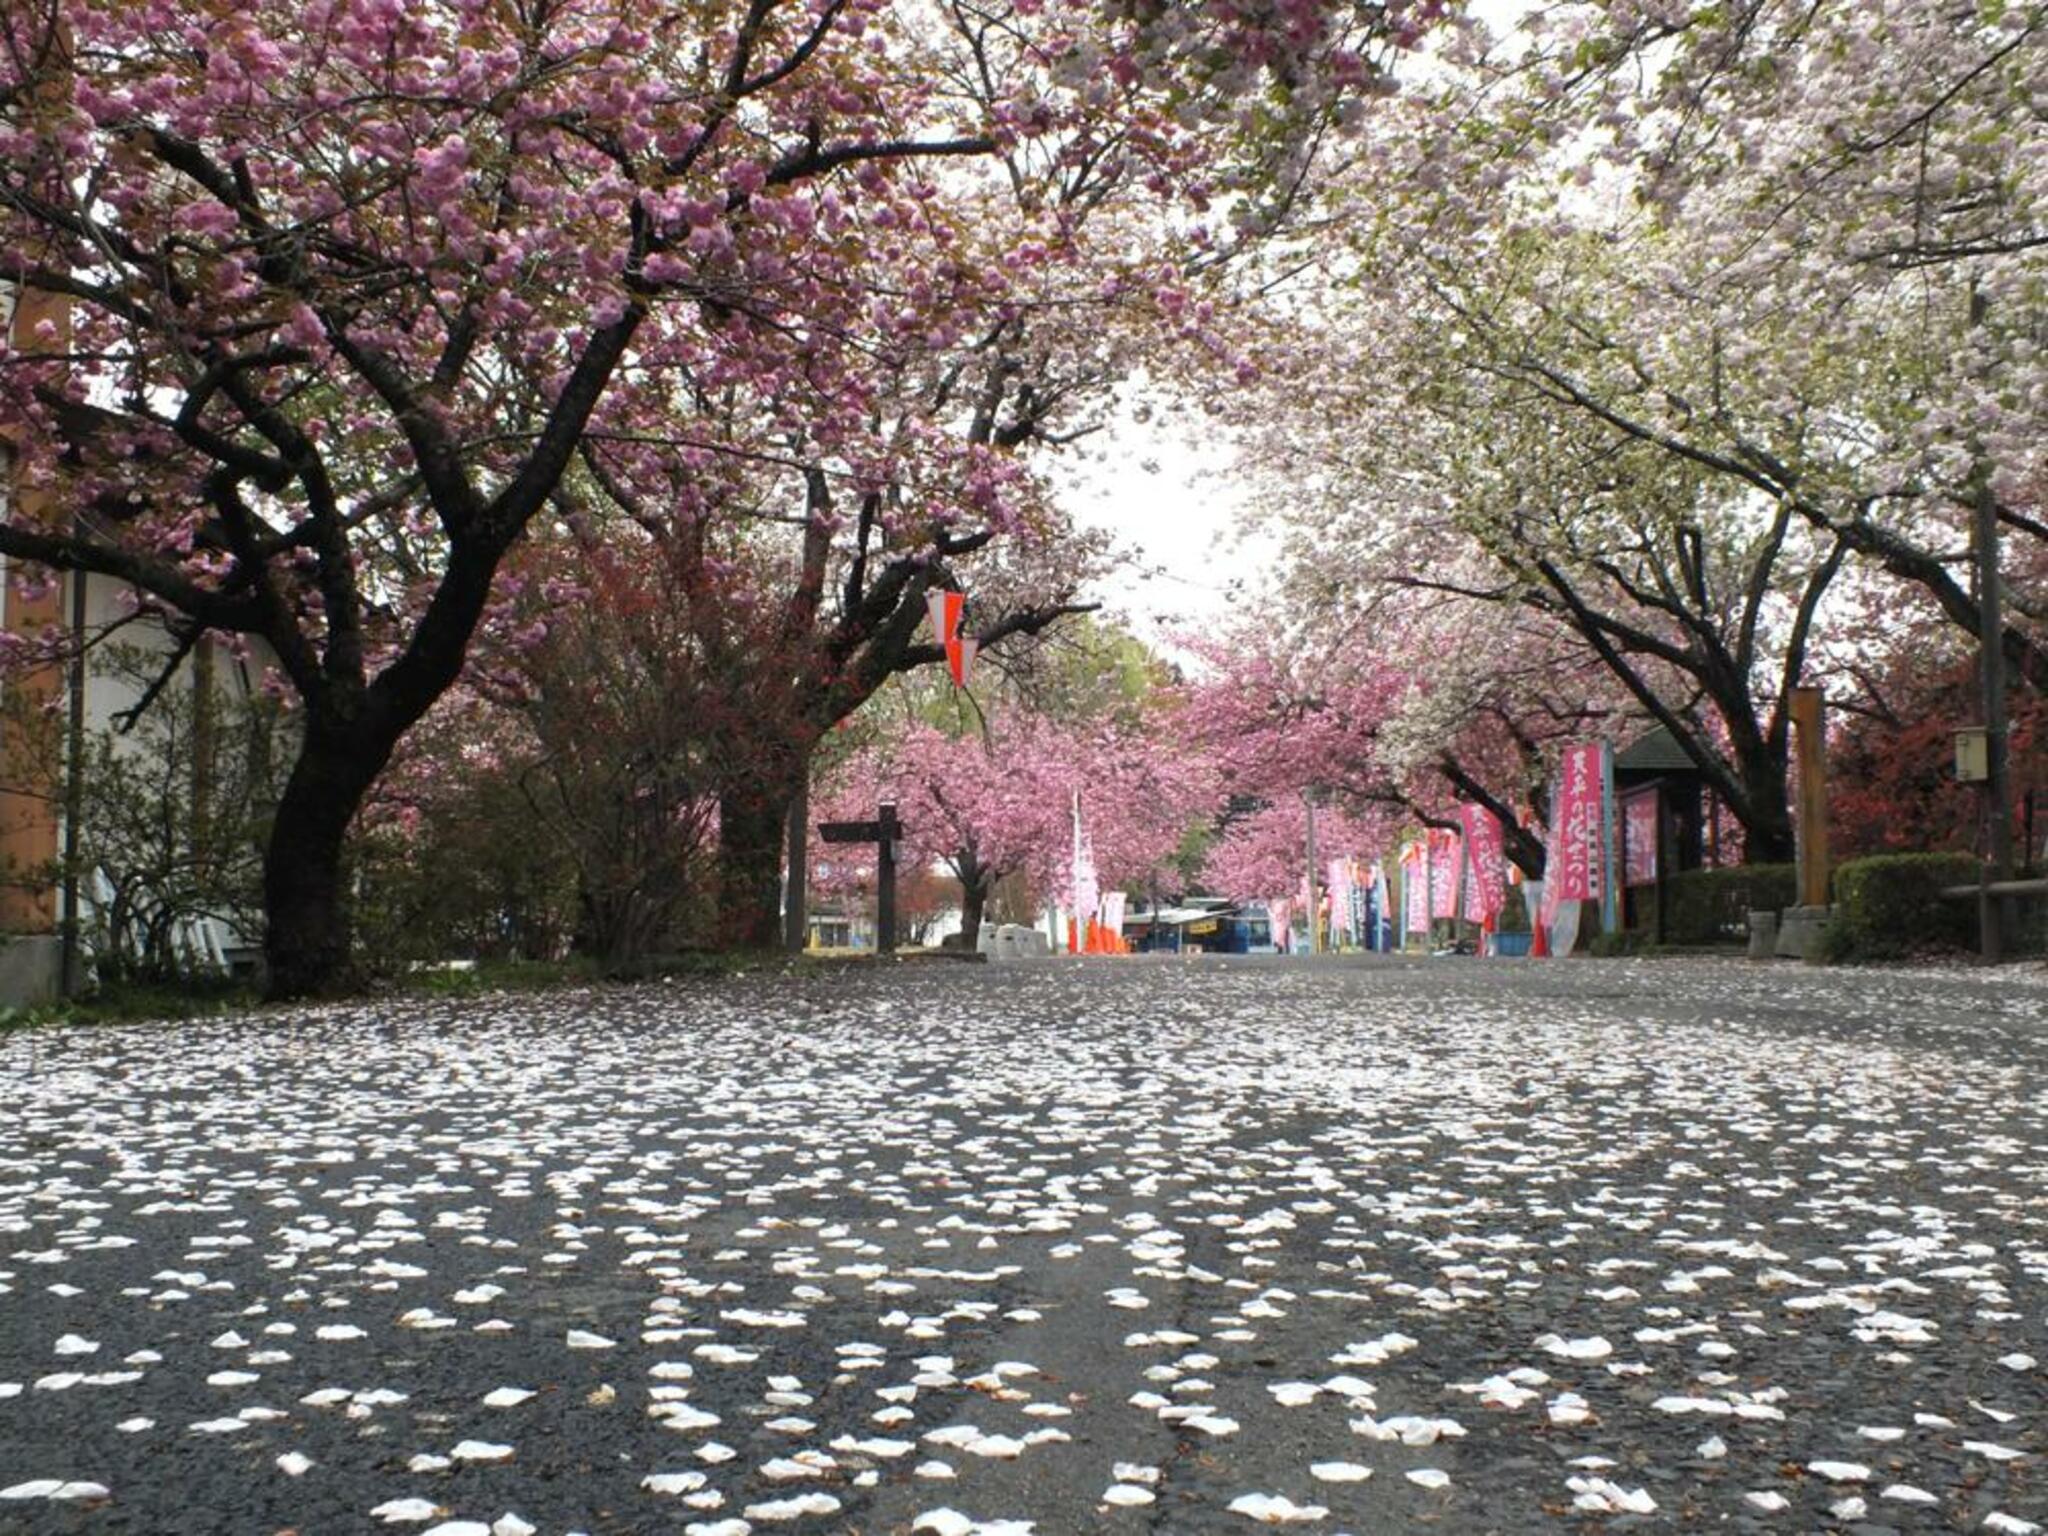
(884, 832)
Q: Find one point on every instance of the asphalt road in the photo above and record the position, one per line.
(1056, 1247)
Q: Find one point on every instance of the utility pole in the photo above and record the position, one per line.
(885, 878)
(1994, 913)
(70, 941)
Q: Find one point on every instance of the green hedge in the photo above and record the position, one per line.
(1514, 913)
(1712, 906)
(1891, 906)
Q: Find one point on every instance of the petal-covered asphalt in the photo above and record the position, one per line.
(1117, 1246)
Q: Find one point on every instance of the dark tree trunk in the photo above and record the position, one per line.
(306, 938)
(795, 928)
(752, 821)
(753, 829)
(1522, 847)
(1769, 840)
(1766, 820)
(1766, 843)
(975, 885)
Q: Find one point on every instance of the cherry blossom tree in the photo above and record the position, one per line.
(1262, 855)
(988, 807)
(1655, 317)
(353, 283)
(1828, 225)
(1390, 715)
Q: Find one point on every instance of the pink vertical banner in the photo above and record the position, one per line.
(1443, 872)
(1573, 864)
(1487, 856)
(1413, 896)
(1278, 915)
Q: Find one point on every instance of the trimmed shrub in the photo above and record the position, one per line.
(1514, 913)
(1712, 906)
(1891, 906)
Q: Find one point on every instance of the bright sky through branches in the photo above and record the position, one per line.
(1172, 491)
(1173, 499)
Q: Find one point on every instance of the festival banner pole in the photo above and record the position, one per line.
(1407, 895)
(1610, 906)
(1074, 882)
(1428, 889)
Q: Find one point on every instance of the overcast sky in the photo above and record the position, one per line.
(1171, 495)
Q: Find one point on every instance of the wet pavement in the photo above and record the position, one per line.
(1139, 1245)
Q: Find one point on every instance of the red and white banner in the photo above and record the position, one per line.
(1443, 872)
(1338, 884)
(946, 610)
(1487, 854)
(960, 658)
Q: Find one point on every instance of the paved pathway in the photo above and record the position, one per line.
(1117, 1246)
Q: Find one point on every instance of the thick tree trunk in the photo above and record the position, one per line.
(974, 893)
(753, 828)
(1766, 844)
(1767, 836)
(752, 821)
(306, 938)
(1522, 847)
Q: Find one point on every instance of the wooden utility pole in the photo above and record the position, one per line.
(29, 815)
(1811, 746)
(1994, 911)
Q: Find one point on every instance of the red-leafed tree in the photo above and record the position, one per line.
(1892, 785)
